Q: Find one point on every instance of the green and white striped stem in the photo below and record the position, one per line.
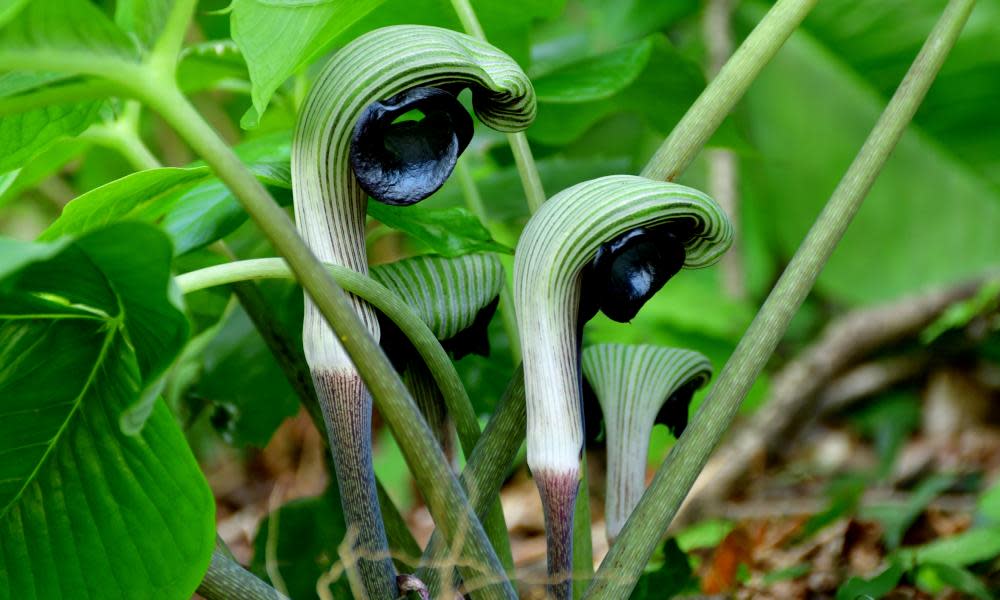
(557, 243)
(330, 213)
(633, 384)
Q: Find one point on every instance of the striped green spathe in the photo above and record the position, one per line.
(329, 203)
(447, 293)
(632, 383)
(559, 240)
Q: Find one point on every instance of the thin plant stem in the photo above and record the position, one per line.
(474, 200)
(442, 491)
(485, 470)
(122, 136)
(583, 542)
(523, 158)
(628, 556)
(399, 312)
(722, 94)
(226, 579)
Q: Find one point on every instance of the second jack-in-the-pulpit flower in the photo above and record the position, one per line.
(637, 387)
(607, 244)
(354, 138)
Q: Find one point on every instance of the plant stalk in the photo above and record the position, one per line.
(628, 556)
(487, 466)
(523, 158)
(445, 498)
(226, 579)
(723, 92)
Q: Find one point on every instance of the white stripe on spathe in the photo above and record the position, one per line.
(632, 383)
(447, 293)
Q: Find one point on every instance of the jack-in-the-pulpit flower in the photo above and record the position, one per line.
(580, 240)
(349, 144)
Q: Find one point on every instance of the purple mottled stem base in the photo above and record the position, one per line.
(347, 409)
(558, 490)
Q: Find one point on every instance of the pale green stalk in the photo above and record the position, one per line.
(629, 555)
(726, 89)
(523, 158)
(474, 200)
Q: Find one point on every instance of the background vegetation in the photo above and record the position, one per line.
(889, 485)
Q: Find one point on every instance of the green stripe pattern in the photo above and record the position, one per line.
(631, 384)
(329, 203)
(447, 293)
(558, 241)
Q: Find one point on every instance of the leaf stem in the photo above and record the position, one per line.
(523, 158)
(474, 200)
(722, 94)
(628, 556)
(226, 579)
(163, 57)
(122, 136)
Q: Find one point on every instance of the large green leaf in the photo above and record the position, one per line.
(507, 24)
(87, 511)
(447, 231)
(73, 29)
(143, 18)
(139, 196)
(305, 28)
(929, 220)
(595, 78)
(879, 38)
(25, 134)
(661, 92)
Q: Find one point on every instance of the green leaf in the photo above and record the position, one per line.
(967, 548)
(306, 29)
(879, 38)
(39, 167)
(989, 504)
(241, 377)
(508, 24)
(595, 78)
(9, 9)
(661, 93)
(447, 293)
(25, 134)
(143, 18)
(889, 420)
(671, 576)
(84, 507)
(856, 588)
(72, 29)
(896, 518)
(214, 64)
(139, 196)
(304, 535)
(928, 217)
(935, 577)
(448, 232)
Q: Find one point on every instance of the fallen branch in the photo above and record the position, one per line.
(795, 391)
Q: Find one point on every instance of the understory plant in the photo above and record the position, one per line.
(100, 493)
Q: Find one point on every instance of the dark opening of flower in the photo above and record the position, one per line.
(629, 270)
(401, 162)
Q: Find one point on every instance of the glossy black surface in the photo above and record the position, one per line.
(628, 271)
(405, 162)
(474, 339)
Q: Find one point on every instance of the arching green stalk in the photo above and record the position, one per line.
(623, 565)
(330, 213)
(556, 245)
